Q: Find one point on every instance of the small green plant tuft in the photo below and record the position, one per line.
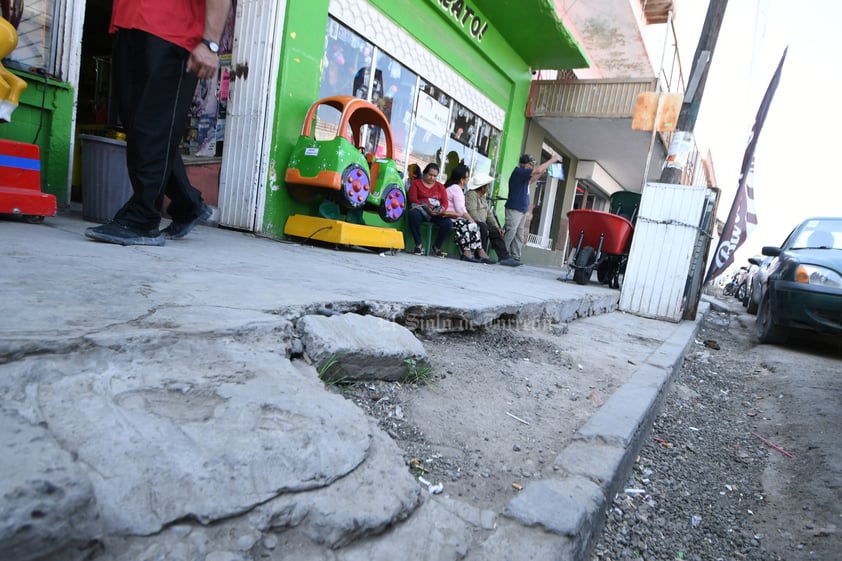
(417, 373)
(331, 372)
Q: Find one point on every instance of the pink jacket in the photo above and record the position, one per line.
(456, 200)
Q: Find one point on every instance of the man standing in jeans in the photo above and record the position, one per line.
(517, 205)
(161, 49)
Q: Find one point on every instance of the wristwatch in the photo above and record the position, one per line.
(212, 45)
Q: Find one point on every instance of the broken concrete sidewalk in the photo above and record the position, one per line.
(158, 402)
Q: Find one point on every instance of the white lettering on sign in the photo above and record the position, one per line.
(311, 151)
(465, 16)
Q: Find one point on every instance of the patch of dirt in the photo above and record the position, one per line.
(499, 407)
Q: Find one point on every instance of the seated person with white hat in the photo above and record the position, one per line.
(489, 227)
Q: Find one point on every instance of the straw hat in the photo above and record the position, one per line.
(479, 180)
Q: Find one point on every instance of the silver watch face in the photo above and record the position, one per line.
(212, 45)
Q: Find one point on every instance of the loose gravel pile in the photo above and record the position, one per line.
(696, 485)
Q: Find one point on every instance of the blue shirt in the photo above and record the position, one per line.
(519, 189)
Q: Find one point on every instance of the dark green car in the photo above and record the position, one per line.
(803, 287)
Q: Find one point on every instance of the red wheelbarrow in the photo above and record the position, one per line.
(602, 241)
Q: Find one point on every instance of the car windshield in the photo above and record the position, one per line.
(819, 234)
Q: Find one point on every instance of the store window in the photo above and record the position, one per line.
(589, 197)
(460, 147)
(35, 35)
(345, 71)
(432, 113)
(348, 65)
(488, 145)
(427, 125)
(394, 96)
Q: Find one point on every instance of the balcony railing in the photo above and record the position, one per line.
(605, 98)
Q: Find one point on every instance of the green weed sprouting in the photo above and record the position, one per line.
(330, 373)
(417, 373)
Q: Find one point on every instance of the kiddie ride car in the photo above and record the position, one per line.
(603, 239)
(348, 181)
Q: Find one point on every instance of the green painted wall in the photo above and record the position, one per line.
(302, 48)
(51, 126)
(490, 65)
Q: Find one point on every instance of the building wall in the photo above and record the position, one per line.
(534, 139)
(490, 65)
(298, 87)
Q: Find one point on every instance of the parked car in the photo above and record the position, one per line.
(761, 271)
(803, 286)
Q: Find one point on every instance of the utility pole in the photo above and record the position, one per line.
(682, 140)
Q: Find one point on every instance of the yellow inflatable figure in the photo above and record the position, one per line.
(10, 85)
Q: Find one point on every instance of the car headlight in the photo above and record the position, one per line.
(810, 274)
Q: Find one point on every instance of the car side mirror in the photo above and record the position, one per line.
(771, 250)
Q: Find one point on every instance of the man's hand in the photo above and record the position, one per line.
(203, 62)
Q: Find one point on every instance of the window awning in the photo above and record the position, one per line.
(535, 32)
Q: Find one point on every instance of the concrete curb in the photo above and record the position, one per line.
(594, 467)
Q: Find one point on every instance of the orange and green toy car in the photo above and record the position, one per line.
(340, 171)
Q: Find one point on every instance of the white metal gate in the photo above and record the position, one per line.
(662, 248)
(251, 109)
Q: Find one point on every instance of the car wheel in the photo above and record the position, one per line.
(767, 331)
(741, 293)
(751, 305)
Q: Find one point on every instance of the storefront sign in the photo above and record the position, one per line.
(466, 16)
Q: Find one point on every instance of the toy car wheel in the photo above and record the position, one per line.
(356, 185)
(393, 204)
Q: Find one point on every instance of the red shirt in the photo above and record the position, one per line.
(421, 194)
(178, 21)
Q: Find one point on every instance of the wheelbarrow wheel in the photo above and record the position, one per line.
(584, 265)
(605, 271)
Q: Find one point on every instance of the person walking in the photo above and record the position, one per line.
(517, 205)
(161, 49)
(490, 231)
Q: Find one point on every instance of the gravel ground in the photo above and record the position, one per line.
(697, 482)
(705, 488)
(696, 491)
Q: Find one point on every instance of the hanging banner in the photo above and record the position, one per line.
(742, 218)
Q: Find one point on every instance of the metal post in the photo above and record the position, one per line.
(682, 140)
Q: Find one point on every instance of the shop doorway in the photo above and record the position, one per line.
(202, 143)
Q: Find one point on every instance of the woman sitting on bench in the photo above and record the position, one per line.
(467, 231)
(428, 201)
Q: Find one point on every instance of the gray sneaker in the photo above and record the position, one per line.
(510, 262)
(177, 230)
(114, 232)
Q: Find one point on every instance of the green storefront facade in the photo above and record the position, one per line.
(489, 47)
(472, 60)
